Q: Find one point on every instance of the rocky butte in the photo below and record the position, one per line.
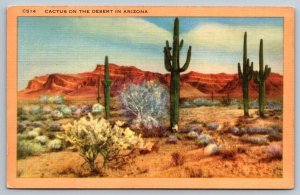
(193, 84)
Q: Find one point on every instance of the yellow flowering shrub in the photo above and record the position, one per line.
(93, 137)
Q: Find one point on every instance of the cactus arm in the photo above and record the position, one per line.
(245, 48)
(267, 72)
(240, 71)
(167, 61)
(250, 73)
(256, 77)
(181, 44)
(188, 59)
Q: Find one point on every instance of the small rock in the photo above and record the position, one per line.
(204, 140)
(194, 128)
(211, 149)
(212, 126)
(192, 135)
(77, 112)
(86, 109)
(172, 139)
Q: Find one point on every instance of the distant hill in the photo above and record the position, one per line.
(193, 84)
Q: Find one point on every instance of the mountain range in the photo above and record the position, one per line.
(193, 84)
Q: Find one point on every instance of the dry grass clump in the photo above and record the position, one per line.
(177, 159)
(194, 173)
(228, 151)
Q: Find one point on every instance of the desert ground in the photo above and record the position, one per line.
(237, 147)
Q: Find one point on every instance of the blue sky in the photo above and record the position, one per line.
(75, 44)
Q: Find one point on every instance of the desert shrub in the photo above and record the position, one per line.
(93, 137)
(254, 140)
(44, 99)
(273, 105)
(34, 133)
(205, 102)
(35, 109)
(56, 114)
(97, 108)
(28, 148)
(42, 139)
(57, 99)
(237, 131)
(226, 100)
(274, 151)
(259, 130)
(277, 128)
(212, 126)
(177, 159)
(253, 104)
(204, 140)
(54, 126)
(22, 125)
(148, 102)
(55, 145)
(65, 110)
(275, 136)
(160, 131)
(186, 104)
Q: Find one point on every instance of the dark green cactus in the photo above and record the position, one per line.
(99, 82)
(107, 84)
(246, 76)
(260, 78)
(172, 64)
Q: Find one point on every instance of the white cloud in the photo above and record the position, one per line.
(134, 30)
(218, 37)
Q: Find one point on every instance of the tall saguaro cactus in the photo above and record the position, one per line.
(260, 78)
(107, 84)
(98, 93)
(246, 76)
(172, 64)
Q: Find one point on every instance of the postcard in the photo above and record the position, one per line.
(150, 97)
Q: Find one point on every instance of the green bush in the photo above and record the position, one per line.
(27, 148)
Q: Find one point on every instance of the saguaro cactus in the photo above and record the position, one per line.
(246, 76)
(260, 78)
(99, 82)
(107, 84)
(172, 64)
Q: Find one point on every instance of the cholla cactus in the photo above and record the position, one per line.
(91, 137)
(147, 102)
